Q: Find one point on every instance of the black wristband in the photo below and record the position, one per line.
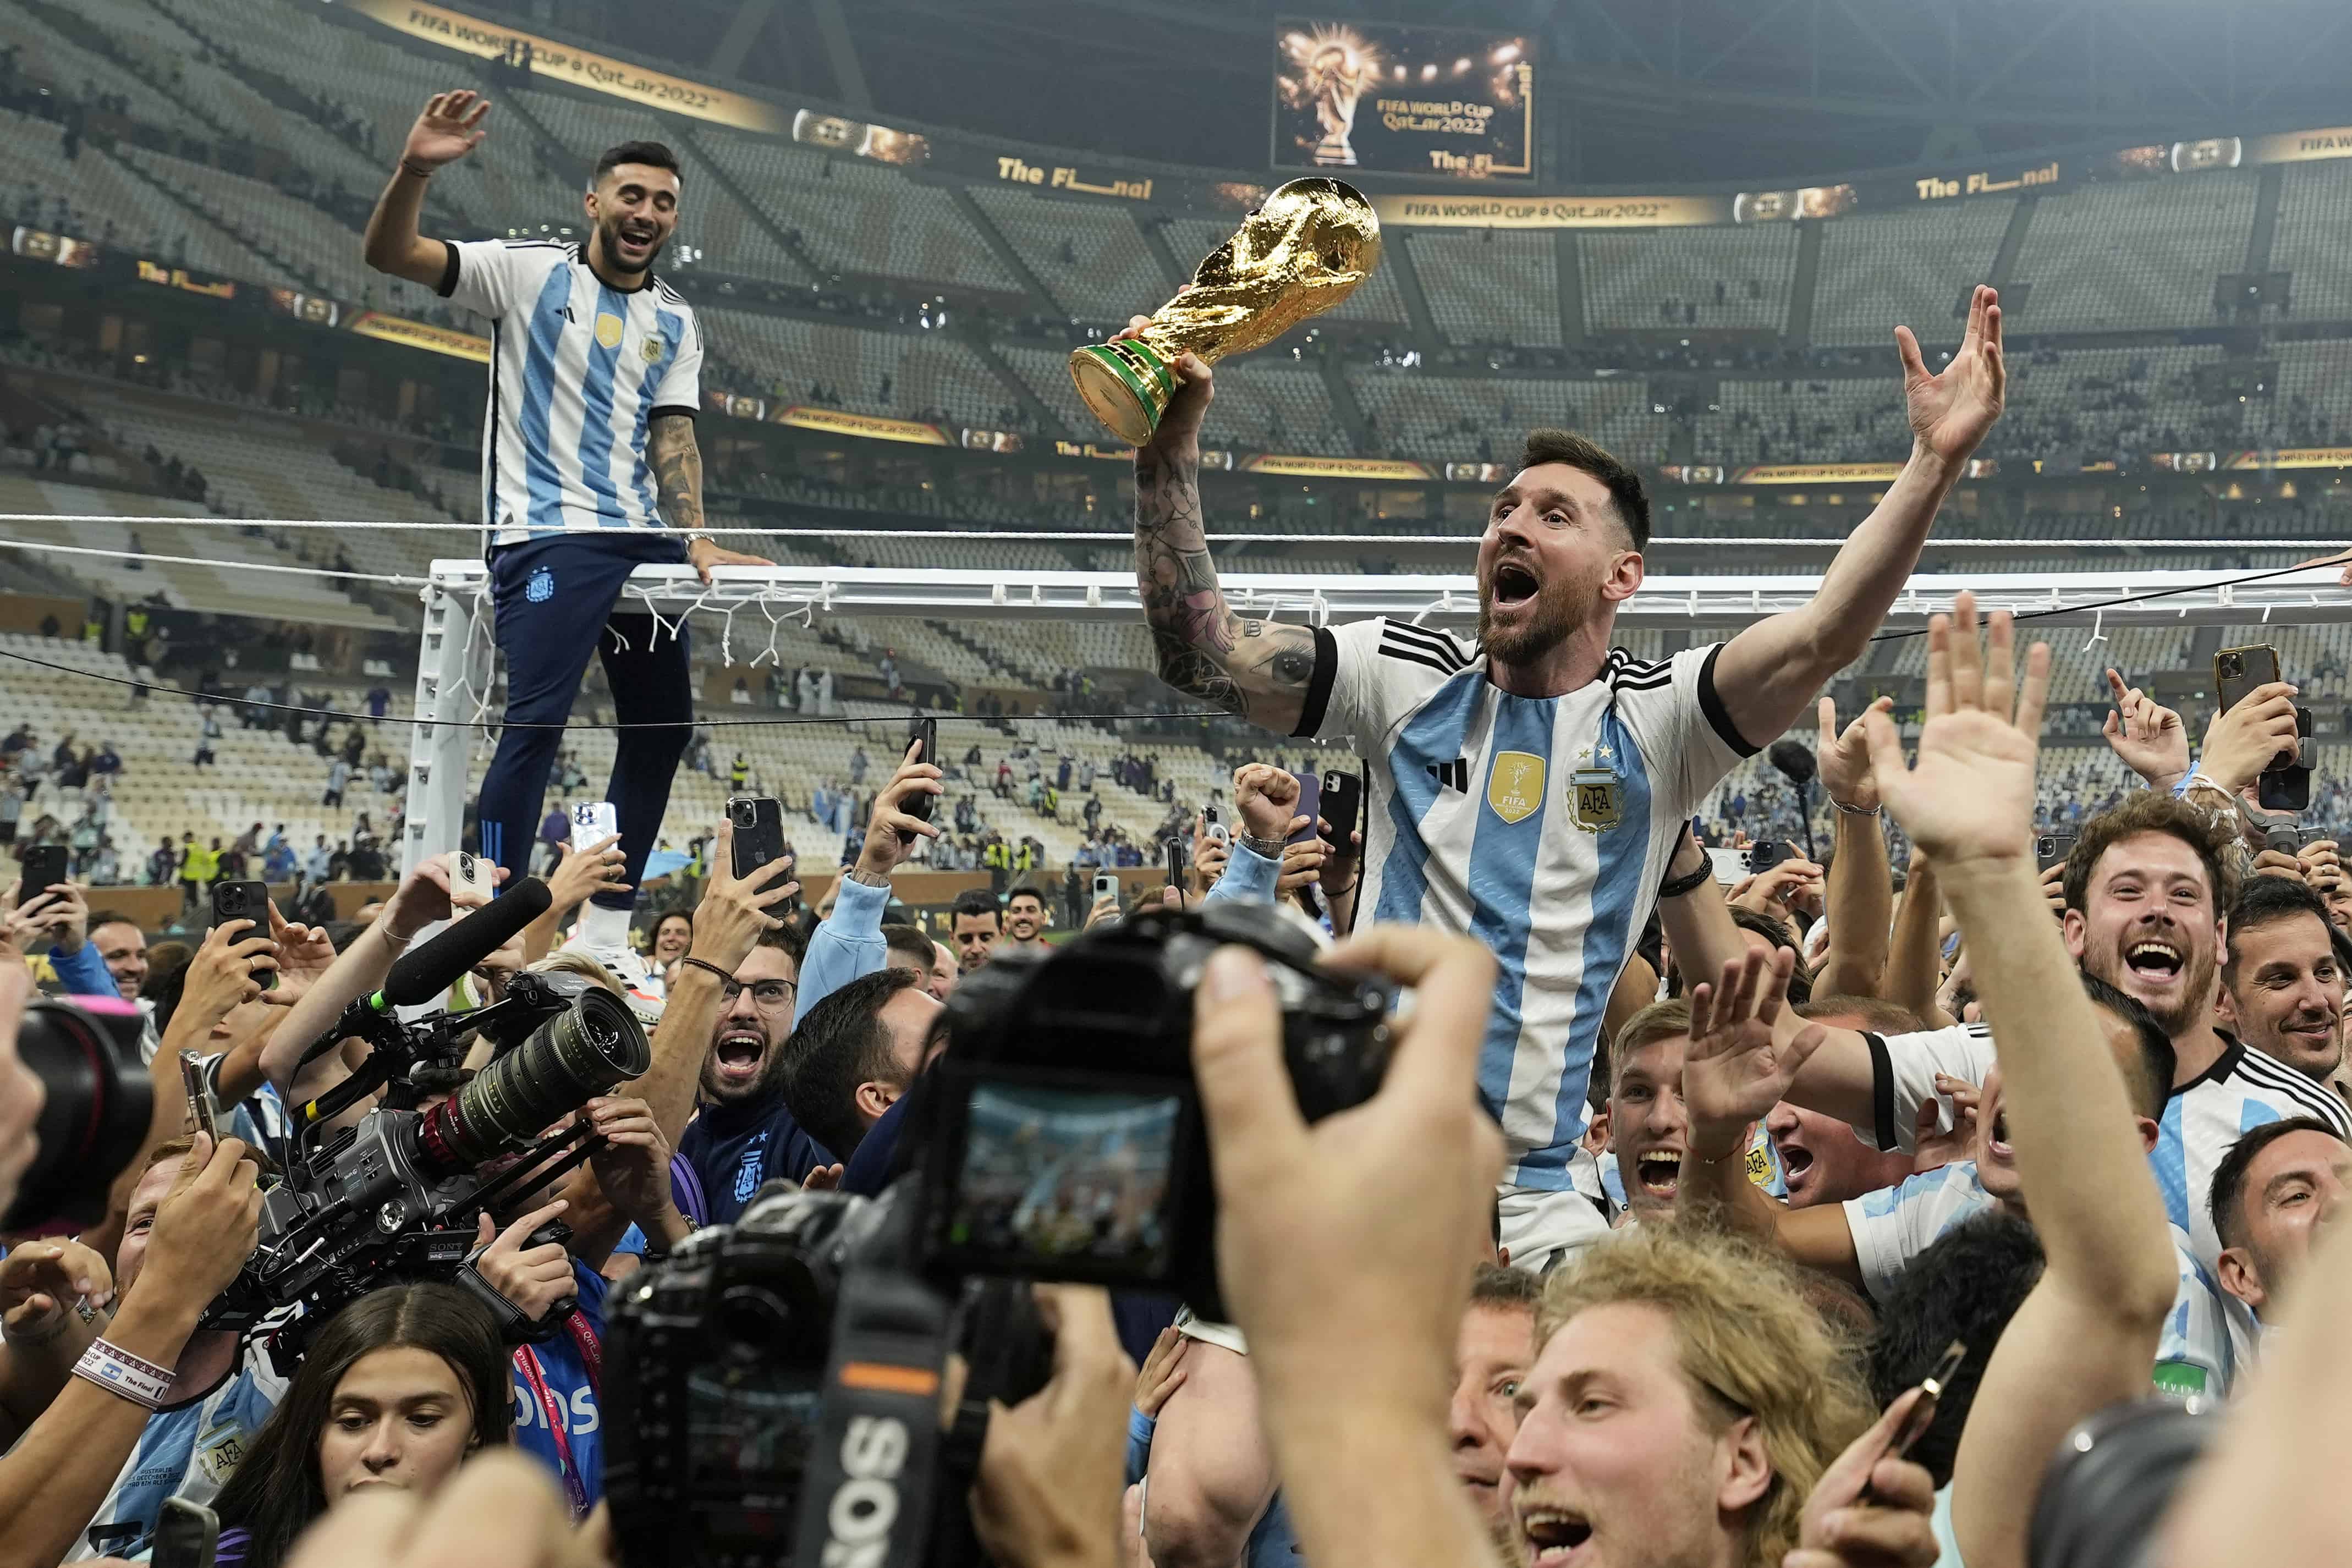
(1675, 886)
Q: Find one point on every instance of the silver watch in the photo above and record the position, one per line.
(1266, 849)
(694, 534)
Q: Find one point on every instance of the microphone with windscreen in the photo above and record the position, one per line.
(1794, 761)
(419, 977)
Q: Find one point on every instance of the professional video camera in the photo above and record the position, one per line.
(772, 1390)
(395, 1196)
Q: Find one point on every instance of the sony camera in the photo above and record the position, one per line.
(1062, 1137)
(395, 1197)
(100, 1099)
(773, 1391)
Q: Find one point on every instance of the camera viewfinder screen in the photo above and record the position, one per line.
(1056, 1179)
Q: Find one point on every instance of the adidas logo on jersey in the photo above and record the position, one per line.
(1454, 775)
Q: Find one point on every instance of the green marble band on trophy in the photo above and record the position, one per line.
(1300, 254)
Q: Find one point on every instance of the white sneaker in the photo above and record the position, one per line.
(622, 960)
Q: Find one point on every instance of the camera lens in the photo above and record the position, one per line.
(100, 1099)
(591, 1045)
(2112, 1481)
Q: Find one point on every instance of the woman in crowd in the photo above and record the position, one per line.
(400, 1388)
(672, 934)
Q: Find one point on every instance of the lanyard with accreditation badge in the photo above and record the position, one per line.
(591, 1355)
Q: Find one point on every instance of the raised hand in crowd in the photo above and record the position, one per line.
(886, 847)
(2243, 739)
(449, 127)
(1209, 857)
(1364, 1261)
(579, 876)
(1845, 757)
(55, 916)
(632, 1165)
(2146, 734)
(1052, 1467)
(1793, 884)
(735, 910)
(1265, 799)
(226, 973)
(305, 953)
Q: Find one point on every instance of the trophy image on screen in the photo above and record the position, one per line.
(1301, 253)
(1330, 70)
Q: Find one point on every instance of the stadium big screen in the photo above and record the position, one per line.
(1404, 101)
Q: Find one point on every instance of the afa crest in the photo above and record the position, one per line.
(653, 349)
(540, 586)
(1515, 785)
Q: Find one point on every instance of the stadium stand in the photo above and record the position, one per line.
(1717, 279)
(2133, 254)
(1915, 268)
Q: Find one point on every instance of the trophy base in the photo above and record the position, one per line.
(1125, 385)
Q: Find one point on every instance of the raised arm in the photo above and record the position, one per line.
(1767, 673)
(450, 127)
(1734, 1072)
(2086, 1336)
(1860, 891)
(1914, 967)
(1258, 669)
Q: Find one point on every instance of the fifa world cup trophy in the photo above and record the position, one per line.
(1298, 256)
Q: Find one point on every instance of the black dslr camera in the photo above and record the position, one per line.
(1063, 1138)
(396, 1197)
(773, 1390)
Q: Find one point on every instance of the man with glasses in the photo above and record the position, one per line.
(744, 1135)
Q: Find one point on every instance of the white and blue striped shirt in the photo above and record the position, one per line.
(2241, 1091)
(578, 369)
(186, 1450)
(2207, 1336)
(1539, 826)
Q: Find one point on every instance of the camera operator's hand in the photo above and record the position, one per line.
(1969, 801)
(1845, 756)
(1053, 1467)
(1265, 797)
(581, 874)
(1893, 1529)
(883, 850)
(2242, 741)
(225, 972)
(632, 1165)
(2146, 734)
(733, 912)
(1733, 1074)
(205, 1228)
(499, 1509)
(304, 955)
(533, 1278)
(40, 1284)
(1351, 1243)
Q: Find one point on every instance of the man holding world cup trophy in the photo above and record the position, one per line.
(1536, 768)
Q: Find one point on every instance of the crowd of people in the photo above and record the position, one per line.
(1813, 1170)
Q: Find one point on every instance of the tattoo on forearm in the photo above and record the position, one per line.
(1195, 631)
(678, 471)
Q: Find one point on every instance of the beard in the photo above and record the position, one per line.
(1560, 611)
(2194, 1004)
(610, 232)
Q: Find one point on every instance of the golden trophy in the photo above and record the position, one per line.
(1298, 255)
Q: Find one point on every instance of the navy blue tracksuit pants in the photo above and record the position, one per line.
(554, 598)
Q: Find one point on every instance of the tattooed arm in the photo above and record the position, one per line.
(1258, 669)
(677, 462)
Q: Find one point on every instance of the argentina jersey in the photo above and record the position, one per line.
(2202, 1118)
(1539, 826)
(2207, 1335)
(578, 370)
(190, 1450)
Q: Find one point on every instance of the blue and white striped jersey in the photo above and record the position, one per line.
(2241, 1091)
(578, 369)
(187, 1450)
(1539, 826)
(2206, 1340)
